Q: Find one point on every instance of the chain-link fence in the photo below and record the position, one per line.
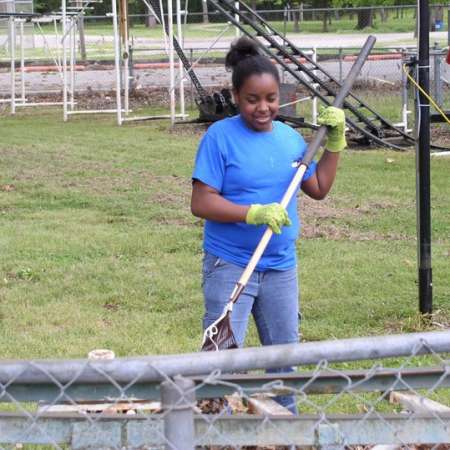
(216, 400)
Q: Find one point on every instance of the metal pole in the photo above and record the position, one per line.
(117, 61)
(64, 58)
(340, 64)
(314, 100)
(423, 164)
(153, 368)
(180, 63)
(171, 62)
(72, 43)
(178, 401)
(123, 16)
(22, 63)
(236, 16)
(12, 51)
(405, 110)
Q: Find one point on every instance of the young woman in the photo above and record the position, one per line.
(243, 167)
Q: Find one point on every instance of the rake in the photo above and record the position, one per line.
(219, 335)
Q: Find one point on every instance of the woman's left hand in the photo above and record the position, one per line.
(334, 119)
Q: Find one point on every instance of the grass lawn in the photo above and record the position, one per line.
(99, 249)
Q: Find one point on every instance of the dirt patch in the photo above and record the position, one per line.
(318, 216)
(417, 323)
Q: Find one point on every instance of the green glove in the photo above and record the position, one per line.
(272, 214)
(334, 119)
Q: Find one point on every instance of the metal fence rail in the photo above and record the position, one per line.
(204, 400)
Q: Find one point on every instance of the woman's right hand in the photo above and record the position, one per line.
(272, 214)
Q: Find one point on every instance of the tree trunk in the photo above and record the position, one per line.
(365, 19)
(205, 11)
(82, 37)
(325, 22)
(80, 24)
(150, 20)
(296, 14)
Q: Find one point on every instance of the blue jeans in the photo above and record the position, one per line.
(272, 297)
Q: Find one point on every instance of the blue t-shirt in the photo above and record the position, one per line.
(246, 167)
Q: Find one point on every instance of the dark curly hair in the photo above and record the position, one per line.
(245, 60)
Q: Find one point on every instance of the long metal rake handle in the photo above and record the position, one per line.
(297, 179)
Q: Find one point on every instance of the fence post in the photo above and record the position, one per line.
(178, 399)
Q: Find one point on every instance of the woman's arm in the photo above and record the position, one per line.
(207, 203)
(319, 184)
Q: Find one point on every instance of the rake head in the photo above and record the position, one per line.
(219, 335)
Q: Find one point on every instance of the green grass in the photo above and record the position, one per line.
(311, 24)
(99, 248)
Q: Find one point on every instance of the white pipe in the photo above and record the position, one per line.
(126, 65)
(39, 104)
(126, 77)
(180, 64)
(117, 62)
(161, 116)
(314, 101)
(236, 17)
(163, 23)
(72, 41)
(95, 111)
(22, 63)
(64, 59)
(171, 62)
(12, 51)
(440, 154)
(186, 7)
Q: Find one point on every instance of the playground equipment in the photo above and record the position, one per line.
(367, 125)
(70, 16)
(17, 39)
(211, 107)
(123, 46)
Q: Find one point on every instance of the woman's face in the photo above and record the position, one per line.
(259, 101)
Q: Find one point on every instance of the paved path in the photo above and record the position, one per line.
(388, 71)
(320, 40)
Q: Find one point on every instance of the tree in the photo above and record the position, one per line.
(205, 11)
(365, 13)
(326, 14)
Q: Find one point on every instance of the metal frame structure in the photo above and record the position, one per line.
(21, 19)
(69, 27)
(363, 120)
(179, 380)
(170, 42)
